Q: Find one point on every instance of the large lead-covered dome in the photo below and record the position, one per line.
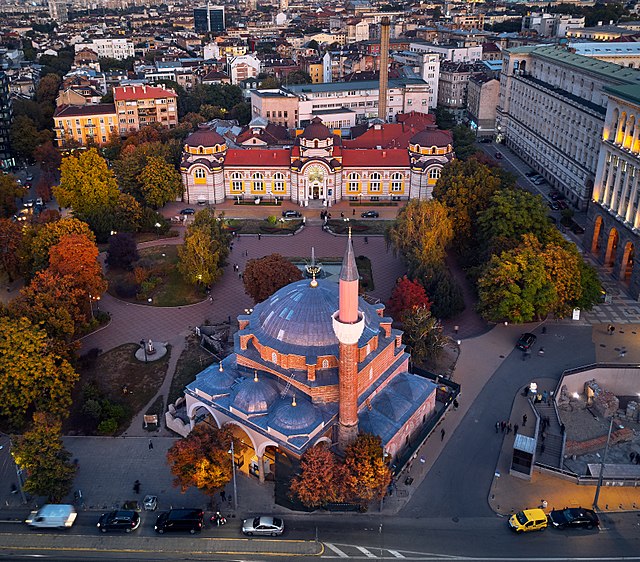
(300, 314)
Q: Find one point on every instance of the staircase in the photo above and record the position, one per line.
(549, 451)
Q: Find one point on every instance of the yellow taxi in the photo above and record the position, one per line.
(528, 520)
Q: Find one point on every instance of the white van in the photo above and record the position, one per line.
(53, 515)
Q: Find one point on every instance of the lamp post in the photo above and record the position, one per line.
(91, 306)
(233, 469)
(18, 471)
(384, 462)
(157, 225)
(604, 458)
(144, 347)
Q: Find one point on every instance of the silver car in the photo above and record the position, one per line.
(273, 526)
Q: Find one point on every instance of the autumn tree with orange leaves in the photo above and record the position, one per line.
(406, 296)
(320, 479)
(367, 472)
(201, 460)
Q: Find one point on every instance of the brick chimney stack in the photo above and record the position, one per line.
(348, 325)
(384, 68)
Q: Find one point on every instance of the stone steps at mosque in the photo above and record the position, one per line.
(549, 449)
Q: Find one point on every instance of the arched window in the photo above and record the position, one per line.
(236, 182)
(397, 182)
(274, 357)
(325, 363)
(278, 182)
(434, 173)
(200, 150)
(315, 144)
(353, 183)
(200, 174)
(257, 182)
(374, 182)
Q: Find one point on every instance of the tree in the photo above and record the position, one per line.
(41, 453)
(444, 292)
(48, 157)
(50, 234)
(31, 376)
(87, 185)
(298, 77)
(160, 182)
(44, 187)
(406, 296)
(367, 474)
(47, 90)
(11, 236)
(9, 190)
(563, 271)
(444, 118)
(515, 286)
(25, 137)
(422, 334)
(123, 250)
(591, 288)
(319, 481)
(269, 83)
(421, 233)
(464, 140)
(201, 459)
(131, 163)
(199, 257)
(264, 276)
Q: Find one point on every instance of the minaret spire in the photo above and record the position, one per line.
(349, 283)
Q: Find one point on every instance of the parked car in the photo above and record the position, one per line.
(530, 174)
(273, 526)
(189, 519)
(498, 155)
(126, 521)
(562, 204)
(553, 205)
(29, 177)
(370, 215)
(150, 503)
(29, 203)
(576, 228)
(528, 520)
(188, 211)
(39, 202)
(291, 214)
(539, 180)
(486, 141)
(572, 517)
(526, 341)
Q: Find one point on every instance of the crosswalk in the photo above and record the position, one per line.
(357, 552)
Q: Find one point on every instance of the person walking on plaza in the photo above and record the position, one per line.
(442, 432)
(136, 486)
(524, 420)
(150, 444)
(515, 429)
(497, 427)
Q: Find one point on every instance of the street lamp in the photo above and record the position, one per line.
(384, 462)
(91, 306)
(144, 347)
(233, 468)
(604, 458)
(158, 226)
(18, 471)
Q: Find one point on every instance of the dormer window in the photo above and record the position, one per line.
(200, 150)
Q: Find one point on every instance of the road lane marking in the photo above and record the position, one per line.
(335, 549)
(396, 554)
(366, 552)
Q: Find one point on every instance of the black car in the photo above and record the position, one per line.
(576, 228)
(188, 211)
(571, 517)
(526, 341)
(189, 519)
(486, 141)
(370, 215)
(291, 214)
(553, 205)
(531, 173)
(126, 521)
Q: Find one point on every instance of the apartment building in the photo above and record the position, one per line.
(119, 49)
(451, 53)
(551, 25)
(77, 125)
(551, 112)
(453, 85)
(482, 101)
(138, 106)
(242, 67)
(6, 115)
(613, 231)
(624, 54)
(207, 19)
(425, 65)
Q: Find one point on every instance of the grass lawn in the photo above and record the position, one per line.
(192, 360)
(171, 290)
(359, 227)
(257, 226)
(118, 377)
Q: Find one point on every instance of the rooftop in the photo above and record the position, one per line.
(629, 92)
(346, 86)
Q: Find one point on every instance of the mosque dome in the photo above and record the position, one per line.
(294, 416)
(316, 130)
(254, 395)
(218, 382)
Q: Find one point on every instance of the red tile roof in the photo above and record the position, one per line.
(126, 93)
(389, 135)
(257, 157)
(375, 158)
(85, 110)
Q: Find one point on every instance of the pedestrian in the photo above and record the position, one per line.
(524, 420)
(497, 426)
(442, 432)
(455, 404)
(509, 428)
(136, 486)
(515, 429)
(259, 236)
(341, 215)
(150, 444)
(354, 212)
(366, 240)
(223, 496)
(562, 429)
(543, 504)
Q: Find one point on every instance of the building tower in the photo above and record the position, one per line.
(384, 68)
(348, 325)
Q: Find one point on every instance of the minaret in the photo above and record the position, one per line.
(348, 325)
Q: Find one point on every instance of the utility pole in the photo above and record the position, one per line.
(604, 458)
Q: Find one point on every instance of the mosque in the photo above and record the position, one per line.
(313, 363)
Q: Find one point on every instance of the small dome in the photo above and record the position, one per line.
(432, 137)
(299, 416)
(217, 381)
(254, 396)
(316, 131)
(205, 136)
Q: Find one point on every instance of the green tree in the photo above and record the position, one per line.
(264, 276)
(199, 257)
(422, 334)
(9, 190)
(320, 478)
(87, 185)
(201, 459)
(591, 288)
(444, 118)
(298, 77)
(464, 142)
(132, 162)
(444, 292)
(24, 137)
(160, 182)
(515, 286)
(563, 271)
(31, 376)
(41, 453)
(367, 474)
(269, 83)
(421, 233)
